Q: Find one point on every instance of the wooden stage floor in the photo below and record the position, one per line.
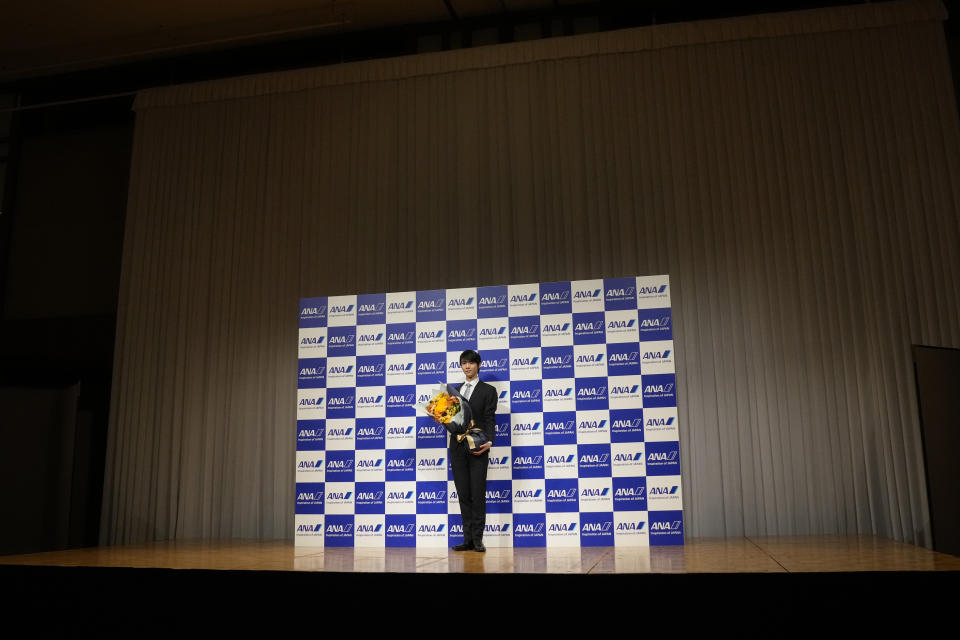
(757, 555)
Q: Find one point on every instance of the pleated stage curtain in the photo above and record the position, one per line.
(796, 174)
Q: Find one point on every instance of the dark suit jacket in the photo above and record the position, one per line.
(483, 403)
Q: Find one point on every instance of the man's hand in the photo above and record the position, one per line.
(483, 449)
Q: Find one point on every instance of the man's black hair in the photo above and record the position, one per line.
(470, 356)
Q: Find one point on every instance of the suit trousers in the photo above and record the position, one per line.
(470, 478)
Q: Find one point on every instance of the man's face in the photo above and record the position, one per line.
(470, 369)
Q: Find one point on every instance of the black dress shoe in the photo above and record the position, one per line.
(463, 547)
(479, 547)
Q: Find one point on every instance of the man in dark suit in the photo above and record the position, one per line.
(470, 468)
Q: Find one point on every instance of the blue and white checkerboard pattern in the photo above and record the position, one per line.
(587, 450)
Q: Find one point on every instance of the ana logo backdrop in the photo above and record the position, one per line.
(587, 449)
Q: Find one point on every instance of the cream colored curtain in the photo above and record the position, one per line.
(797, 175)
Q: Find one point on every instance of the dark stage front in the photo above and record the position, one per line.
(230, 584)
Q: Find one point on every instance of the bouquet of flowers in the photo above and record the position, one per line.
(449, 408)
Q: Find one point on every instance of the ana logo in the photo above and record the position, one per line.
(372, 463)
(526, 394)
(664, 491)
(493, 461)
(525, 362)
(659, 422)
(526, 426)
(658, 388)
(430, 430)
(493, 331)
(346, 463)
(624, 357)
(431, 462)
(656, 322)
(629, 492)
(527, 461)
(461, 334)
(528, 493)
(400, 495)
(310, 433)
(427, 496)
(339, 495)
(345, 401)
(586, 294)
(527, 330)
(488, 301)
(311, 402)
(342, 340)
(646, 291)
(624, 389)
(370, 368)
(627, 457)
(496, 364)
(431, 528)
(561, 494)
(497, 528)
(635, 423)
(555, 296)
(460, 302)
(317, 341)
(665, 526)
(400, 336)
(582, 327)
(664, 456)
(309, 312)
(592, 392)
(400, 306)
(558, 393)
(340, 431)
(399, 431)
(400, 464)
(310, 464)
(563, 528)
(595, 493)
(369, 496)
(341, 308)
(594, 458)
(563, 426)
(501, 494)
(370, 308)
(400, 368)
(627, 292)
(369, 528)
(592, 424)
(430, 367)
(521, 299)
(370, 337)
(534, 528)
(621, 324)
(430, 335)
(308, 528)
(310, 371)
(588, 358)
(656, 355)
(429, 305)
(344, 370)
(597, 527)
(630, 526)
(557, 361)
(556, 328)
(308, 496)
(339, 529)
(401, 399)
(560, 459)
(400, 529)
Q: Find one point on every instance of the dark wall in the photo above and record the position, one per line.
(62, 233)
